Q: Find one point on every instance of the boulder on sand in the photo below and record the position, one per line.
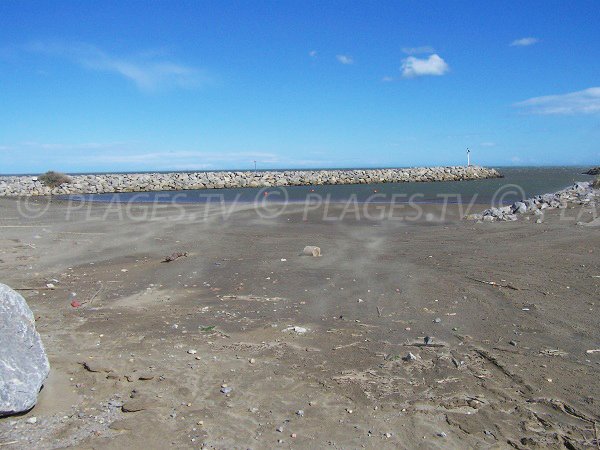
(23, 362)
(311, 250)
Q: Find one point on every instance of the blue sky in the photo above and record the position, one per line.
(121, 86)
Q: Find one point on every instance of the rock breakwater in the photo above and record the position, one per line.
(581, 193)
(14, 186)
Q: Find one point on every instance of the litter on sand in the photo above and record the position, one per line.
(296, 329)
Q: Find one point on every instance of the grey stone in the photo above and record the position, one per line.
(409, 357)
(519, 208)
(23, 362)
(135, 405)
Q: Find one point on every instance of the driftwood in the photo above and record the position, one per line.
(422, 344)
(174, 256)
(493, 283)
(95, 294)
(35, 289)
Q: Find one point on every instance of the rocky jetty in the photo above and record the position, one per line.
(582, 193)
(593, 171)
(23, 361)
(135, 182)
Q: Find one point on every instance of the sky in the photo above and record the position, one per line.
(99, 86)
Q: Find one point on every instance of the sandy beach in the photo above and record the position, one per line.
(246, 343)
(299, 225)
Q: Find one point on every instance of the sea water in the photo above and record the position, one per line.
(518, 183)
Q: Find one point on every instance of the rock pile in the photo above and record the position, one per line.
(581, 193)
(109, 183)
(23, 361)
(593, 171)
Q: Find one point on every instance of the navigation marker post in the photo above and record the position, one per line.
(468, 157)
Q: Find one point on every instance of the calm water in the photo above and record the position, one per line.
(518, 183)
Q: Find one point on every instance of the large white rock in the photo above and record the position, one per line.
(23, 362)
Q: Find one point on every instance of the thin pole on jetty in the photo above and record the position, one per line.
(468, 157)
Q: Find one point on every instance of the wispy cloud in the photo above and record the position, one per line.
(150, 71)
(312, 53)
(524, 42)
(387, 79)
(182, 157)
(64, 146)
(198, 160)
(586, 101)
(418, 50)
(70, 146)
(345, 59)
(416, 67)
(488, 144)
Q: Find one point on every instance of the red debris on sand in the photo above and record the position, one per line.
(75, 304)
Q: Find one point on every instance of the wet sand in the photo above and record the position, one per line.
(507, 366)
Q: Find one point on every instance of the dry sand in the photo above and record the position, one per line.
(507, 365)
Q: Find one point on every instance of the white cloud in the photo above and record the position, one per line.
(312, 53)
(182, 157)
(147, 71)
(197, 160)
(27, 146)
(387, 79)
(345, 59)
(586, 101)
(70, 146)
(418, 50)
(415, 67)
(524, 42)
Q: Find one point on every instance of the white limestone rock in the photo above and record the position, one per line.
(23, 362)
